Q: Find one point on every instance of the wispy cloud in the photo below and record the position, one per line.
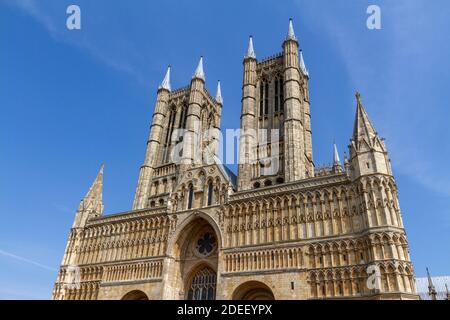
(63, 208)
(390, 66)
(32, 8)
(26, 260)
(86, 42)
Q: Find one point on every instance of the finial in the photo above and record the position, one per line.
(358, 99)
(199, 73)
(336, 160)
(431, 288)
(447, 292)
(219, 98)
(250, 50)
(302, 65)
(165, 84)
(291, 33)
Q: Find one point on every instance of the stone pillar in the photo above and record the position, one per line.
(294, 164)
(247, 144)
(153, 146)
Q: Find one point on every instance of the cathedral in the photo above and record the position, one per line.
(282, 228)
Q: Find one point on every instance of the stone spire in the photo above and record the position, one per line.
(165, 84)
(199, 73)
(336, 160)
(219, 98)
(431, 288)
(337, 167)
(250, 50)
(363, 128)
(291, 33)
(93, 200)
(447, 293)
(92, 204)
(302, 65)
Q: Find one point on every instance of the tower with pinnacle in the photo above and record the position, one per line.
(275, 106)
(283, 228)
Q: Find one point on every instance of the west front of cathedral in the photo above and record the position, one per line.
(197, 231)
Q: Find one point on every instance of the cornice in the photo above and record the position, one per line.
(310, 183)
(127, 215)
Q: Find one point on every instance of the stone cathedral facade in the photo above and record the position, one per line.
(197, 231)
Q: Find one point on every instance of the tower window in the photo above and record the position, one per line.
(276, 96)
(279, 97)
(266, 99)
(183, 117)
(169, 135)
(261, 100)
(210, 193)
(292, 285)
(281, 89)
(190, 196)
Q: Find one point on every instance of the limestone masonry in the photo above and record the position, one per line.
(196, 231)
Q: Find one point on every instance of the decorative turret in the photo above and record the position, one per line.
(219, 98)
(92, 204)
(337, 167)
(191, 148)
(248, 124)
(431, 288)
(303, 66)
(199, 73)
(295, 157)
(368, 152)
(153, 144)
(291, 33)
(165, 84)
(250, 50)
(447, 293)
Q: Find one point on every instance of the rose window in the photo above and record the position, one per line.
(206, 244)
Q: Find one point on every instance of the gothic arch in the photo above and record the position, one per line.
(194, 246)
(135, 295)
(253, 290)
(185, 223)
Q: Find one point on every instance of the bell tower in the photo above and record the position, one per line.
(275, 139)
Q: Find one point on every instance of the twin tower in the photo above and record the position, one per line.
(275, 138)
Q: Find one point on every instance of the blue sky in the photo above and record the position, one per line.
(71, 100)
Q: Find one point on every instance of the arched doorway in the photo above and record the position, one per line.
(135, 295)
(253, 290)
(195, 260)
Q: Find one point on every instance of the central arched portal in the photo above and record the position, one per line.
(195, 254)
(135, 295)
(253, 290)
